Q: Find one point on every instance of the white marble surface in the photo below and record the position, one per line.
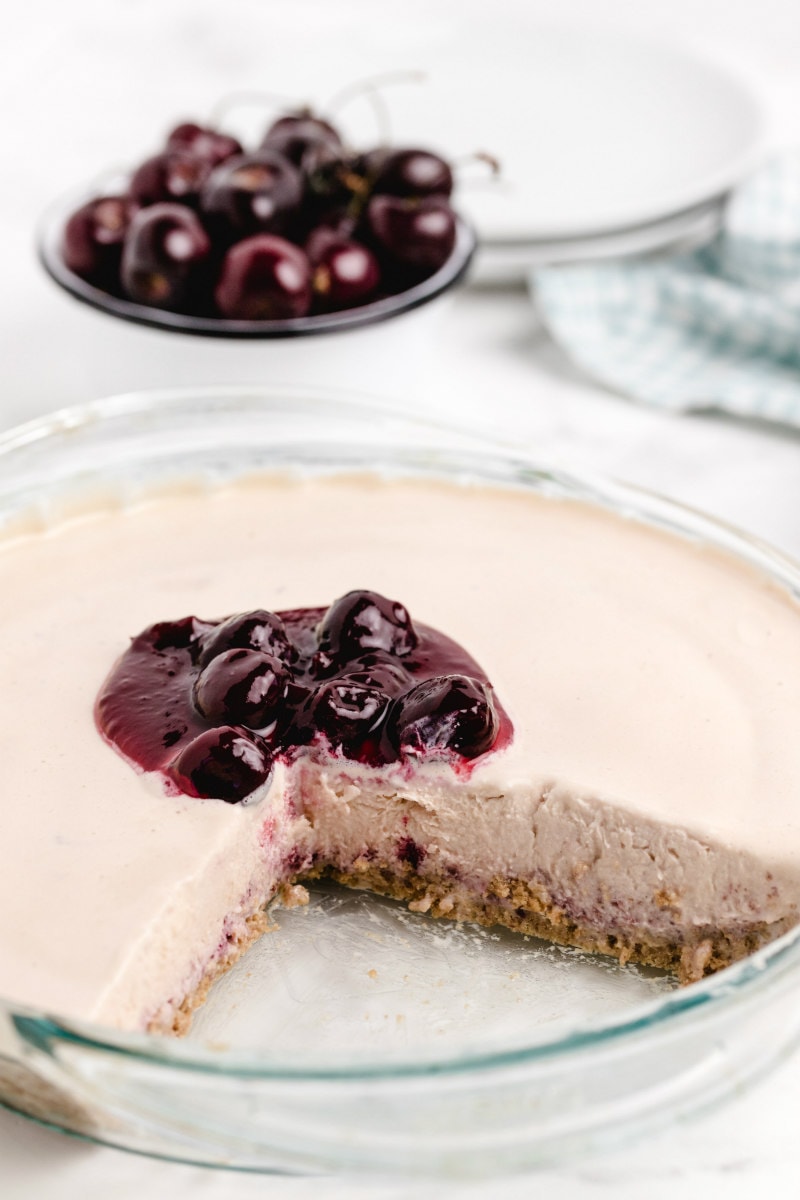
(88, 84)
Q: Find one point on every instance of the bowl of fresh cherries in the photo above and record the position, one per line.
(303, 234)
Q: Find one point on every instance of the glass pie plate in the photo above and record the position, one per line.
(358, 1036)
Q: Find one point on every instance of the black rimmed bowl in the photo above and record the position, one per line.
(50, 240)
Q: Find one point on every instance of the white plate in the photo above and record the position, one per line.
(501, 263)
(595, 131)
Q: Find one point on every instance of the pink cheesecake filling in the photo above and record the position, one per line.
(646, 804)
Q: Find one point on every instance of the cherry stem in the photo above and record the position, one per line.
(371, 89)
(479, 156)
(251, 98)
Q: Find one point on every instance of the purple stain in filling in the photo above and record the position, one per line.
(410, 852)
(212, 704)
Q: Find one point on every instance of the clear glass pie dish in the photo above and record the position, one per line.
(359, 1036)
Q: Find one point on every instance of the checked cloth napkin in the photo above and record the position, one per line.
(718, 328)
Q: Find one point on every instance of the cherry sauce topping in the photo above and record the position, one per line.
(212, 704)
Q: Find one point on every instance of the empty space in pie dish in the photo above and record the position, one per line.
(352, 974)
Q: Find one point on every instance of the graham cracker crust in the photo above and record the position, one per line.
(514, 904)
(178, 1020)
(525, 908)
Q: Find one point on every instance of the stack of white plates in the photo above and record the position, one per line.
(610, 145)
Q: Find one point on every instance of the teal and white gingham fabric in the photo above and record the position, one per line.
(719, 328)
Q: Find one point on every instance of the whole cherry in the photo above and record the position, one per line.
(448, 713)
(252, 193)
(416, 234)
(165, 256)
(350, 715)
(94, 236)
(346, 273)
(334, 226)
(203, 142)
(295, 133)
(224, 763)
(362, 622)
(171, 176)
(257, 629)
(242, 687)
(413, 173)
(264, 277)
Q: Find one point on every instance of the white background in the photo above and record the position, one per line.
(89, 85)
